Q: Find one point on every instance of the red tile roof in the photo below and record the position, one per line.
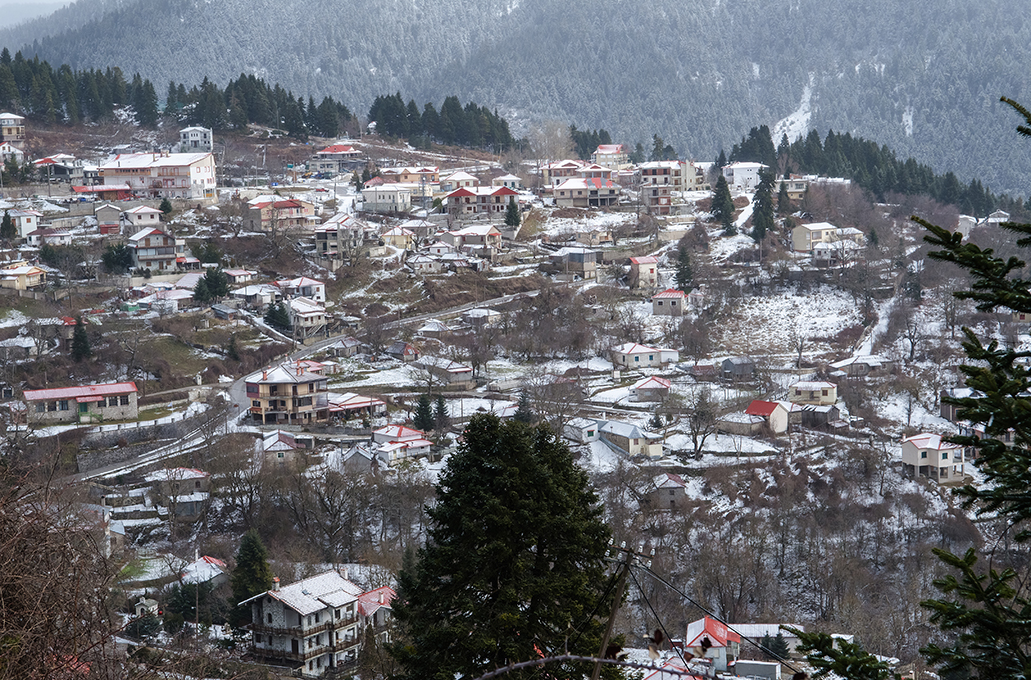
(761, 408)
(83, 393)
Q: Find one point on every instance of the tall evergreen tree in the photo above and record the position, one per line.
(423, 419)
(524, 413)
(513, 568)
(252, 575)
(512, 216)
(684, 274)
(783, 200)
(81, 348)
(441, 417)
(762, 212)
(277, 317)
(723, 205)
(8, 231)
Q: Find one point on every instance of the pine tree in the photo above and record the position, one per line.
(80, 349)
(684, 273)
(762, 212)
(512, 216)
(277, 317)
(201, 293)
(985, 614)
(524, 414)
(423, 414)
(217, 282)
(165, 207)
(513, 568)
(723, 205)
(441, 417)
(845, 659)
(7, 230)
(779, 646)
(252, 575)
(783, 200)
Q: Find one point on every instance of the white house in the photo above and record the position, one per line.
(196, 139)
(317, 624)
(743, 176)
(633, 355)
(928, 455)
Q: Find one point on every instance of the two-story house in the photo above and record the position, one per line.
(644, 272)
(743, 176)
(287, 395)
(153, 249)
(196, 139)
(302, 286)
(267, 213)
(928, 455)
(12, 129)
(317, 624)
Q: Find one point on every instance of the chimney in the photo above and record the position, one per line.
(347, 572)
(264, 375)
(275, 583)
(382, 597)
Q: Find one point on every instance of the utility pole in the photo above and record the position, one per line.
(631, 558)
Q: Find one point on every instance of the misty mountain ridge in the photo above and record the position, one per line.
(699, 76)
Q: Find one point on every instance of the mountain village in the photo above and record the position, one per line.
(192, 322)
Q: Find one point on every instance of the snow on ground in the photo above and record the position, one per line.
(13, 318)
(721, 248)
(764, 325)
(722, 443)
(796, 124)
(589, 222)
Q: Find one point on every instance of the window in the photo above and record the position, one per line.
(923, 454)
(51, 405)
(280, 455)
(62, 405)
(41, 407)
(123, 400)
(945, 455)
(269, 617)
(823, 393)
(255, 402)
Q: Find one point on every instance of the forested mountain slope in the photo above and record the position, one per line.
(923, 77)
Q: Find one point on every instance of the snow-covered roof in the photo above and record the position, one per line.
(813, 385)
(313, 594)
(203, 569)
(926, 440)
(652, 382)
(178, 474)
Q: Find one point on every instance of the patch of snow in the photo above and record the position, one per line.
(796, 124)
(907, 121)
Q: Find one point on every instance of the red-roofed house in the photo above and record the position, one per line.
(726, 644)
(669, 302)
(396, 433)
(265, 214)
(928, 455)
(668, 493)
(374, 608)
(652, 388)
(644, 272)
(586, 192)
(334, 159)
(472, 200)
(773, 412)
(611, 156)
(85, 404)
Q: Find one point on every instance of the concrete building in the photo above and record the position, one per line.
(83, 404)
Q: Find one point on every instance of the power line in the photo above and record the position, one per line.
(712, 616)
